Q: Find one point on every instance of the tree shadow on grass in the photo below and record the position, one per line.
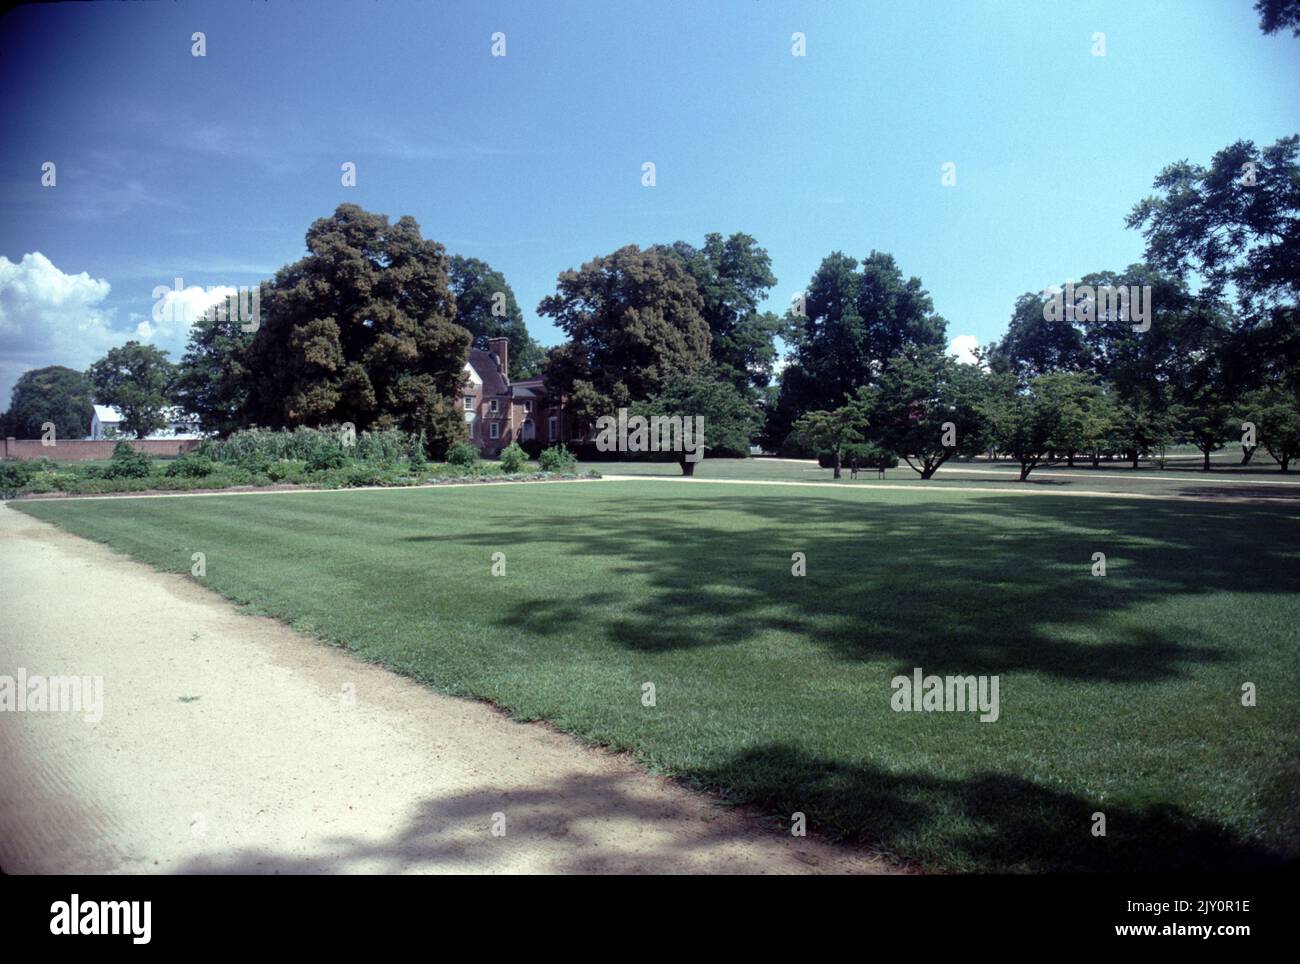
(606, 824)
(991, 584)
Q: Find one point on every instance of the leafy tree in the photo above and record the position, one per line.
(633, 318)
(1024, 423)
(486, 308)
(212, 378)
(1052, 418)
(1235, 223)
(1275, 410)
(53, 394)
(856, 323)
(1205, 420)
(1143, 423)
(831, 431)
(135, 379)
(1034, 345)
(730, 418)
(361, 330)
(1275, 15)
(929, 408)
(734, 276)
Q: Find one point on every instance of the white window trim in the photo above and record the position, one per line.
(495, 431)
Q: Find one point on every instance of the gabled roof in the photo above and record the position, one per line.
(107, 414)
(486, 365)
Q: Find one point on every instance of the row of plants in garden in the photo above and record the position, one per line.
(323, 458)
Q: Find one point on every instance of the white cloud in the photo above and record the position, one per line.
(963, 346)
(48, 317)
(168, 324)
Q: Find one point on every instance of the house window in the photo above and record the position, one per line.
(528, 406)
(469, 403)
(552, 424)
(492, 407)
(495, 429)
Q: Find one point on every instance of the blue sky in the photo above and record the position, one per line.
(212, 168)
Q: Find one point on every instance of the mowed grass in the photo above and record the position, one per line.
(1119, 695)
(1258, 481)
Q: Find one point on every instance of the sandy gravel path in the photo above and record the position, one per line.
(230, 743)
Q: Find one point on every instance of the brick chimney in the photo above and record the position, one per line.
(501, 348)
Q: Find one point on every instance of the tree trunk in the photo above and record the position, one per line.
(1246, 453)
(688, 468)
(1025, 469)
(1135, 458)
(1096, 459)
(837, 463)
(1285, 464)
(1069, 460)
(1207, 460)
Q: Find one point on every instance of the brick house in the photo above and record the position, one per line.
(499, 411)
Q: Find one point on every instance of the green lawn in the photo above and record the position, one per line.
(1118, 694)
(1179, 476)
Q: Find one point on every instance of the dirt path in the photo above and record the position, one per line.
(230, 743)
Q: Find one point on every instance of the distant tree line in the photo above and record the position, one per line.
(374, 324)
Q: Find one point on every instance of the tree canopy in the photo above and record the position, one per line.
(361, 330)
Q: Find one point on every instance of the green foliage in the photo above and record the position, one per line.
(734, 276)
(486, 308)
(730, 420)
(513, 459)
(52, 394)
(632, 318)
(137, 380)
(867, 454)
(831, 431)
(190, 465)
(557, 459)
(419, 462)
(386, 447)
(928, 409)
(15, 475)
(126, 463)
(462, 454)
(856, 322)
(212, 378)
(361, 330)
(1275, 410)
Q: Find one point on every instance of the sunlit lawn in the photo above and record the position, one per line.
(1118, 694)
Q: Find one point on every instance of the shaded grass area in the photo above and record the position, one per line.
(1118, 694)
(1176, 478)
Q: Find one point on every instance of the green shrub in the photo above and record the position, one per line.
(127, 463)
(462, 454)
(868, 454)
(14, 475)
(513, 459)
(557, 458)
(387, 447)
(190, 466)
(322, 458)
(419, 462)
